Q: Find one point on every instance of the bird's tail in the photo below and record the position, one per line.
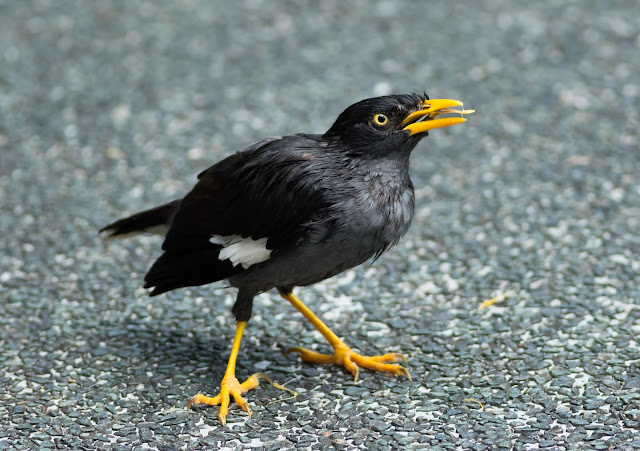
(156, 221)
(177, 269)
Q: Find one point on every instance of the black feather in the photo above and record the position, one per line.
(265, 191)
(142, 221)
(175, 269)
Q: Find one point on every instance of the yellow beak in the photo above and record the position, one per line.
(423, 119)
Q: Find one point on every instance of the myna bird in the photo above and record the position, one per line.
(292, 211)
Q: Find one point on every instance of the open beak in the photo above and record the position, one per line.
(424, 118)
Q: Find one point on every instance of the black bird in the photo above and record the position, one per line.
(292, 211)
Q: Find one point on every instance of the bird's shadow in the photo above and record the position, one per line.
(163, 362)
(177, 360)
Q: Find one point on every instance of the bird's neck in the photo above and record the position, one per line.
(391, 170)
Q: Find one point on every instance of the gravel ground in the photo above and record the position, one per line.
(110, 107)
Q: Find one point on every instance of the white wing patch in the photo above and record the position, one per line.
(242, 251)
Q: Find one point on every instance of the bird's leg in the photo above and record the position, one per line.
(230, 386)
(342, 354)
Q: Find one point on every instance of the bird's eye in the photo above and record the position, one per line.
(380, 119)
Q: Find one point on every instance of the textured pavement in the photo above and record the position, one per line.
(110, 107)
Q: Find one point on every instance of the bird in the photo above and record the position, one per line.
(291, 211)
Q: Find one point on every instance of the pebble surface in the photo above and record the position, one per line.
(111, 107)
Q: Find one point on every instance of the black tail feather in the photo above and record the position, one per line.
(177, 269)
(156, 220)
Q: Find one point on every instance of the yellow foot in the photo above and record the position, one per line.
(230, 387)
(343, 355)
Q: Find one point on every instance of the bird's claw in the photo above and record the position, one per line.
(230, 387)
(344, 356)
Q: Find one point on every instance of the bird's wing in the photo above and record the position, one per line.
(251, 203)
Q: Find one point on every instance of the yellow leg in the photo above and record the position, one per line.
(342, 354)
(230, 385)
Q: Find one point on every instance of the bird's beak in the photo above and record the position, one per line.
(424, 118)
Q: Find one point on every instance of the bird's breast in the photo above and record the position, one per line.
(391, 206)
(399, 211)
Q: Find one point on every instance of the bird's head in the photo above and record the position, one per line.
(380, 125)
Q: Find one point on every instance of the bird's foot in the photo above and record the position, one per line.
(230, 387)
(344, 356)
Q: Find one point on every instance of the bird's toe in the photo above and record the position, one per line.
(230, 387)
(344, 356)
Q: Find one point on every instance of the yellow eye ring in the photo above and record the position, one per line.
(380, 119)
